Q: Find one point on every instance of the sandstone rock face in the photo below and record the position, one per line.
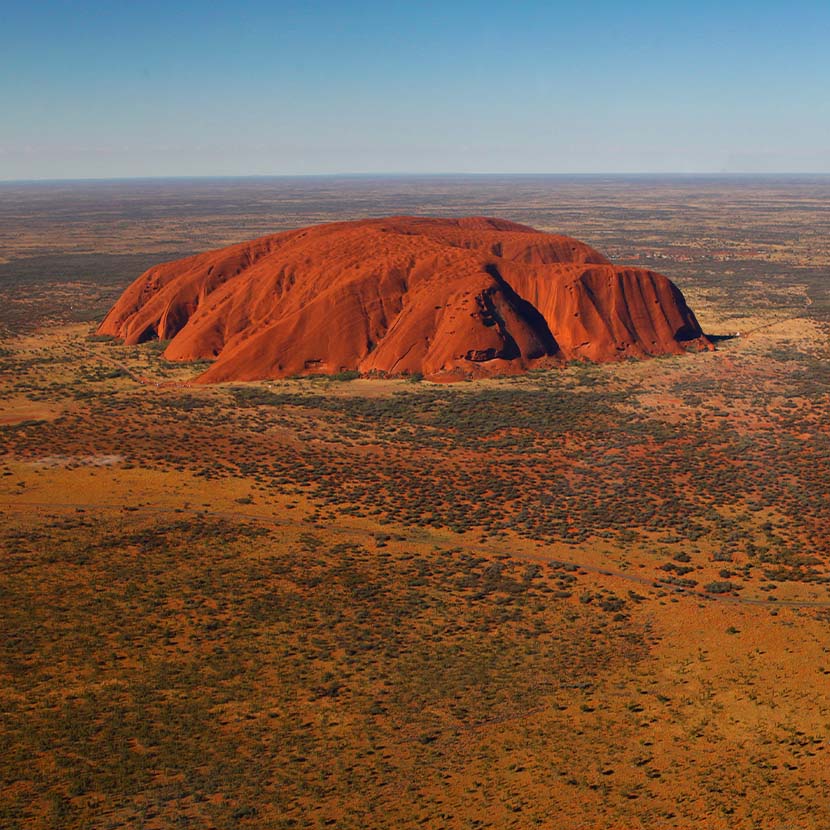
(446, 298)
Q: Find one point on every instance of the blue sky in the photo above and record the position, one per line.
(93, 89)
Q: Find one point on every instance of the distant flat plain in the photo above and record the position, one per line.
(596, 597)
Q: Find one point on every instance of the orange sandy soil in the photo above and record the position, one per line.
(316, 603)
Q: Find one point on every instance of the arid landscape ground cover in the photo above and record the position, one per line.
(590, 597)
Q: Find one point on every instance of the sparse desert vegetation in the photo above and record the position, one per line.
(596, 596)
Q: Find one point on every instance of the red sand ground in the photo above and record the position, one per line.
(447, 298)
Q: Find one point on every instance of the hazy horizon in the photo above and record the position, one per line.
(668, 176)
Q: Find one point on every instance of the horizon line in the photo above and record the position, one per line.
(404, 174)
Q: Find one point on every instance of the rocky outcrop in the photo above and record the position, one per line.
(450, 298)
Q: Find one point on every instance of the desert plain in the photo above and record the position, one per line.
(590, 596)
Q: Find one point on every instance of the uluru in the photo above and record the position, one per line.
(443, 298)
